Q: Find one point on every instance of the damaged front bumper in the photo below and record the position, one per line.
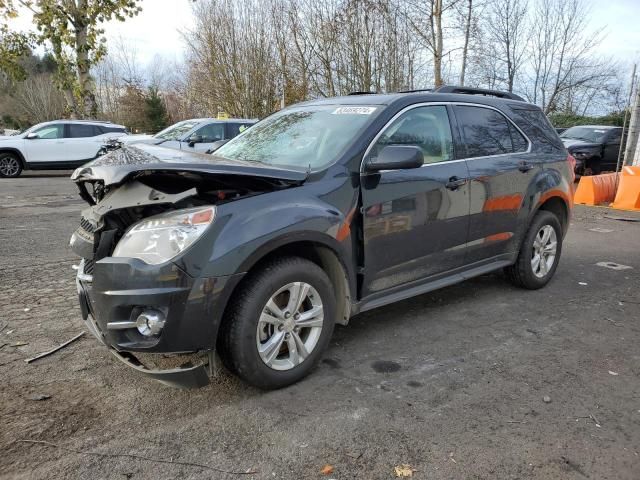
(114, 293)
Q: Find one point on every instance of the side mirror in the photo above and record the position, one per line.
(31, 136)
(193, 139)
(396, 157)
(217, 144)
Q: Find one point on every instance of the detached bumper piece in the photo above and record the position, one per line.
(186, 376)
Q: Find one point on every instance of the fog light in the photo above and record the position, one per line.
(150, 322)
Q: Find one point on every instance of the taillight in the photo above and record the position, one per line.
(572, 167)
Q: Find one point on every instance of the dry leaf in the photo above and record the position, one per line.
(327, 470)
(404, 471)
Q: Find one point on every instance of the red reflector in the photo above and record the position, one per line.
(204, 216)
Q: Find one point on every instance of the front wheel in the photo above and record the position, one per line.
(539, 254)
(279, 323)
(10, 166)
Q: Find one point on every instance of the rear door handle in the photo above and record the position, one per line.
(455, 182)
(524, 167)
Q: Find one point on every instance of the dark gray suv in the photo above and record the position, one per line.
(323, 210)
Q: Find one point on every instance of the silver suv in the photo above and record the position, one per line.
(195, 135)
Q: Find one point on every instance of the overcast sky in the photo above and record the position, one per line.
(156, 30)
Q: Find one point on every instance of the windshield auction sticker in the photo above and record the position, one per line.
(354, 111)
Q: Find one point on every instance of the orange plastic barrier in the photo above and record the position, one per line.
(596, 189)
(628, 196)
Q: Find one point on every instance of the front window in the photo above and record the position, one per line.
(49, 131)
(306, 137)
(424, 127)
(211, 133)
(586, 134)
(177, 131)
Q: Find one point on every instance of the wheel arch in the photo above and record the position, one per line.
(323, 255)
(17, 153)
(557, 205)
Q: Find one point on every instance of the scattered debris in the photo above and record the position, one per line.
(59, 347)
(26, 309)
(327, 470)
(583, 283)
(39, 397)
(138, 457)
(19, 344)
(546, 399)
(615, 374)
(354, 455)
(600, 230)
(404, 470)
(613, 265)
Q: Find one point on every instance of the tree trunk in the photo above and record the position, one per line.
(437, 48)
(88, 105)
(465, 49)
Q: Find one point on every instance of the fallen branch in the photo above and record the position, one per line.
(138, 457)
(59, 347)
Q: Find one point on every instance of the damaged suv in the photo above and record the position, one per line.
(323, 210)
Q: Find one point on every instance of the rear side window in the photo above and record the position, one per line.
(235, 129)
(82, 131)
(487, 132)
(104, 129)
(424, 127)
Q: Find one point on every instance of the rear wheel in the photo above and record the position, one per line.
(10, 165)
(279, 323)
(539, 254)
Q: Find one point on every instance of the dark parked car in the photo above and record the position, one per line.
(594, 147)
(323, 210)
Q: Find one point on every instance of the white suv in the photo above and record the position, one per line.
(59, 144)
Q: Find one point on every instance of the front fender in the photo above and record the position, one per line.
(247, 230)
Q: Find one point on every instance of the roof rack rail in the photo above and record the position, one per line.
(478, 91)
(417, 90)
(361, 93)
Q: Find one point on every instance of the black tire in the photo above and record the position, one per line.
(522, 272)
(239, 331)
(10, 165)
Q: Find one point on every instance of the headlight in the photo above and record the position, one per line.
(159, 238)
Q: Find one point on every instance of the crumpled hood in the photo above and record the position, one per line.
(117, 165)
(573, 144)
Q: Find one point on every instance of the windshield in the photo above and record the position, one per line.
(177, 131)
(588, 134)
(300, 137)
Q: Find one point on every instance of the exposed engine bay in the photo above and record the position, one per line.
(130, 184)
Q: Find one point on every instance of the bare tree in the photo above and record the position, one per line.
(38, 100)
(563, 53)
(506, 26)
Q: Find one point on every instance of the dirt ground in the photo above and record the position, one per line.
(451, 383)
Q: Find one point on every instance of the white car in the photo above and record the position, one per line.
(59, 144)
(196, 135)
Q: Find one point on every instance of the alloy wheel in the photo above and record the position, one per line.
(545, 247)
(290, 326)
(9, 166)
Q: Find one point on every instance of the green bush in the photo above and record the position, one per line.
(567, 120)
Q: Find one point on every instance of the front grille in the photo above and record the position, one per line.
(88, 266)
(87, 225)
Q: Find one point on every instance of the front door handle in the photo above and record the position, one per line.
(455, 182)
(524, 167)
